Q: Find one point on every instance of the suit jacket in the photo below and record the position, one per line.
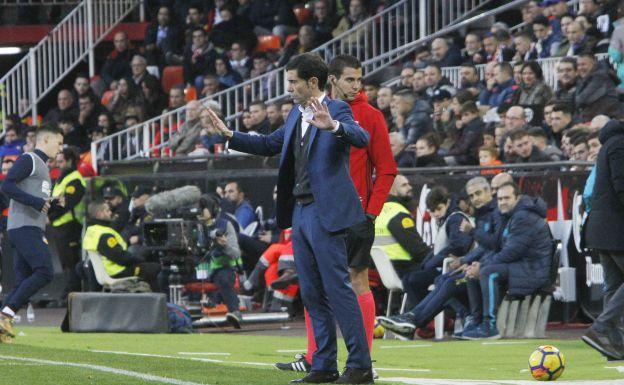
(328, 166)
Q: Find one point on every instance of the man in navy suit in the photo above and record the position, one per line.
(316, 196)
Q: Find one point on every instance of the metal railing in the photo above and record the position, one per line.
(395, 26)
(36, 3)
(46, 64)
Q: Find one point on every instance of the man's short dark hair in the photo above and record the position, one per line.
(436, 66)
(431, 139)
(259, 103)
(518, 134)
(371, 82)
(537, 132)
(569, 60)
(82, 75)
(239, 188)
(340, 62)
(541, 20)
(524, 35)
(88, 95)
(66, 117)
(198, 28)
(406, 93)
(513, 185)
(438, 195)
(505, 67)
(260, 55)
(309, 65)
(566, 108)
(71, 153)
(470, 107)
(502, 34)
(464, 96)
(177, 87)
(593, 135)
(471, 66)
(580, 139)
(587, 54)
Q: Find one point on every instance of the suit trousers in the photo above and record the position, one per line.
(326, 291)
(613, 267)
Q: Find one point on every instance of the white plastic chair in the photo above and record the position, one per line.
(439, 319)
(389, 276)
(102, 276)
(250, 229)
(260, 215)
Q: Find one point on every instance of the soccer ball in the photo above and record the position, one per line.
(379, 330)
(546, 363)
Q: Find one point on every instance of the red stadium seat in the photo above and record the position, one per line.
(172, 75)
(107, 97)
(268, 43)
(191, 93)
(302, 14)
(290, 38)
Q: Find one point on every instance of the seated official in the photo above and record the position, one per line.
(217, 238)
(113, 249)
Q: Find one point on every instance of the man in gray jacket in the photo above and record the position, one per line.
(187, 137)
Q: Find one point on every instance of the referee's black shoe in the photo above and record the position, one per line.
(317, 377)
(298, 365)
(356, 376)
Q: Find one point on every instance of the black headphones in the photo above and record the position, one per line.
(212, 203)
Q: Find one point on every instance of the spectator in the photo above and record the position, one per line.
(81, 86)
(13, 145)
(323, 21)
(616, 44)
(187, 136)
(177, 98)
(590, 8)
(226, 75)
(119, 206)
(525, 49)
(402, 156)
(500, 88)
(153, 97)
(444, 54)
(517, 72)
(422, 57)
(285, 109)
(138, 66)
(534, 92)
(594, 145)
(547, 40)
(540, 140)
(469, 79)
(306, 41)
(598, 122)
(466, 150)
(419, 85)
(73, 135)
(231, 29)
(30, 138)
(371, 88)
(427, 152)
(407, 73)
(274, 115)
(596, 92)
(564, 45)
(384, 100)
(211, 86)
(243, 211)
(579, 149)
(473, 53)
(194, 18)
(126, 96)
(561, 121)
(259, 120)
(240, 60)
(566, 80)
(90, 109)
(515, 118)
(261, 65)
(522, 261)
(413, 117)
(357, 14)
(495, 51)
(106, 123)
(488, 156)
(435, 80)
(443, 115)
(579, 40)
(198, 59)
(525, 150)
(209, 137)
(64, 105)
(162, 39)
(272, 17)
(117, 63)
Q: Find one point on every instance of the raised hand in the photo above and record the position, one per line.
(218, 124)
(322, 119)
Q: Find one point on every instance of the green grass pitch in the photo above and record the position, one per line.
(47, 356)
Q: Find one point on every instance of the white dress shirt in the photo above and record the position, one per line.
(308, 114)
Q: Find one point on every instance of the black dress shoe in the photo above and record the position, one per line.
(603, 343)
(317, 377)
(356, 376)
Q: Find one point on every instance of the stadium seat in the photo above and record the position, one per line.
(389, 277)
(302, 14)
(107, 97)
(172, 75)
(105, 280)
(191, 93)
(268, 43)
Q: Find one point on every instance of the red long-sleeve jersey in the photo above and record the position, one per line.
(374, 159)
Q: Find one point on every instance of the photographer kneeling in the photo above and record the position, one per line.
(118, 262)
(218, 239)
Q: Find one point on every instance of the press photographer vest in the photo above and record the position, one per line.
(220, 261)
(92, 239)
(383, 237)
(77, 213)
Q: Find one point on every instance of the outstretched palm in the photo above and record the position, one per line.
(322, 118)
(218, 124)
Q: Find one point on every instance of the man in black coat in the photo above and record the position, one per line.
(162, 38)
(603, 232)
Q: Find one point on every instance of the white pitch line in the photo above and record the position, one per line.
(203, 354)
(402, 370)
(505, 343)
(181, 358)
(105, 369)
(404, 346)
(290, 350)
(435, 381)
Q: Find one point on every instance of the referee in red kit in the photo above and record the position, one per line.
(345, 78)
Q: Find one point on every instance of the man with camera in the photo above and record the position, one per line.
(217, 239)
